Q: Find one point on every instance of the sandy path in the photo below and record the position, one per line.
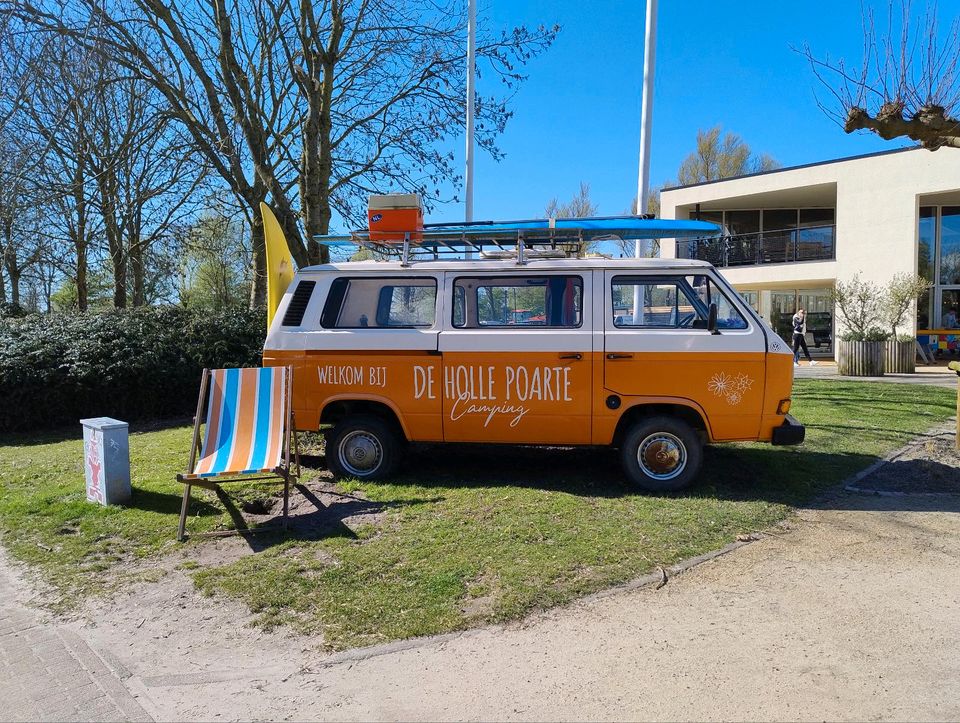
(852, 613)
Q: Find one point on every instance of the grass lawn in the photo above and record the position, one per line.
(467, 536)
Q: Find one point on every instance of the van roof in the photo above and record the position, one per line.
(481, 266)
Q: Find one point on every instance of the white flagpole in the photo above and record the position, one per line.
(646, 123)
(471, 72)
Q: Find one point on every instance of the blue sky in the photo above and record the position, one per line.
(577, 117)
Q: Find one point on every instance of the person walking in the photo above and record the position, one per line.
(799, 338)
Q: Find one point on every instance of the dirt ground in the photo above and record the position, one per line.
(849, 612)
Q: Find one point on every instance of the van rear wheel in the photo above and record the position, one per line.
(362, 447)
(661, 454)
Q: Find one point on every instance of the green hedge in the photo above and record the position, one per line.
(137, 364)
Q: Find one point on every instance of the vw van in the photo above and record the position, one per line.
(652, 357)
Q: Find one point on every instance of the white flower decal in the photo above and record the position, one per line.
(729, 387)
(719, 384)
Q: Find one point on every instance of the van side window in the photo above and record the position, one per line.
(662, 302)
(728, 317)
(361, 303)
(518, 301)
(671, 302)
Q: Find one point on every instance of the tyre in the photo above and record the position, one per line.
(661, 454)
(362, 447)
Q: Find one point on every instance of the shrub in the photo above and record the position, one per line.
(873, 333)
(137, 364)
(863, 305)
(860, 304)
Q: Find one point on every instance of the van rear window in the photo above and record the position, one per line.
(360, 303)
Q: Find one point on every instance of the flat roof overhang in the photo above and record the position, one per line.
(820, 195)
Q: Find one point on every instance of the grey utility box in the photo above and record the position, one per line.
(106, 460)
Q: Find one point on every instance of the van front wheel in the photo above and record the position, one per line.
(363, 447)
(661, 454)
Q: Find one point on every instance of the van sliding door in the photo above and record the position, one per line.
(517, 361)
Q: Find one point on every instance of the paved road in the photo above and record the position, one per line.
(49, 673)
(851, 613)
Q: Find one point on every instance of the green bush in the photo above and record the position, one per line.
(137, 364)
(873, 333)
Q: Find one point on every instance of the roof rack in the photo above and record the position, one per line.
(524, 241)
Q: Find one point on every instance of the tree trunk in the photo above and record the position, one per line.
(119, 258)
(14, 273)
(138, 272)
(82, 292)
(119, 280)
(12, 268)
(258, 287)
(8, 244)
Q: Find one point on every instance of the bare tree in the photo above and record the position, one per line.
(907, 83)
(715, 158)
(53, 118)
(580, 206)
(313, 104)
(21, 246)
(146, 176)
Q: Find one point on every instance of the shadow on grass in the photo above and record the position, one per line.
(798, 477)
(310, 518)
(166, 503)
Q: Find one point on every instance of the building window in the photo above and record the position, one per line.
(950, 245)
(819, 319)
(926, 264)
(950, 308)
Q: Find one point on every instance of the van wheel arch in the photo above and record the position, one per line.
(340, 409)
(639, 412)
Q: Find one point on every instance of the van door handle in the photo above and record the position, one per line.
(576, 356)
(619, 356)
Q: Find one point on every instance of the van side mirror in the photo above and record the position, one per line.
(712, 319)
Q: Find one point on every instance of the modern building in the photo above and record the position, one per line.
(793, 232)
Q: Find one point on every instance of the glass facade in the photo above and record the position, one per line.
(938, 259)
(819, 319)
(765, 236)
(950, 245)
(926, 264)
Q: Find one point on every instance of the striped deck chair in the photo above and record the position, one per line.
(248, 434)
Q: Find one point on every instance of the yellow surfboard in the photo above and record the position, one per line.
(280, 266)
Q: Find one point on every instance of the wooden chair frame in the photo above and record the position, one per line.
(282, 472)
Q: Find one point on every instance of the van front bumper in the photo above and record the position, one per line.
(790, 432)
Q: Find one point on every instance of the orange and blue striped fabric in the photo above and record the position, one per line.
(245, 422)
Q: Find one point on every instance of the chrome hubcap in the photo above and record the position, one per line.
(360, 453)
(662, 456)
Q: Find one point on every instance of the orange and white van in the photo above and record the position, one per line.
(654, 357)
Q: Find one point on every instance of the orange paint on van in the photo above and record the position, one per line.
(540, 398)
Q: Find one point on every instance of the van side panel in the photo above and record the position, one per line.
(406, 381)
(523, 397)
